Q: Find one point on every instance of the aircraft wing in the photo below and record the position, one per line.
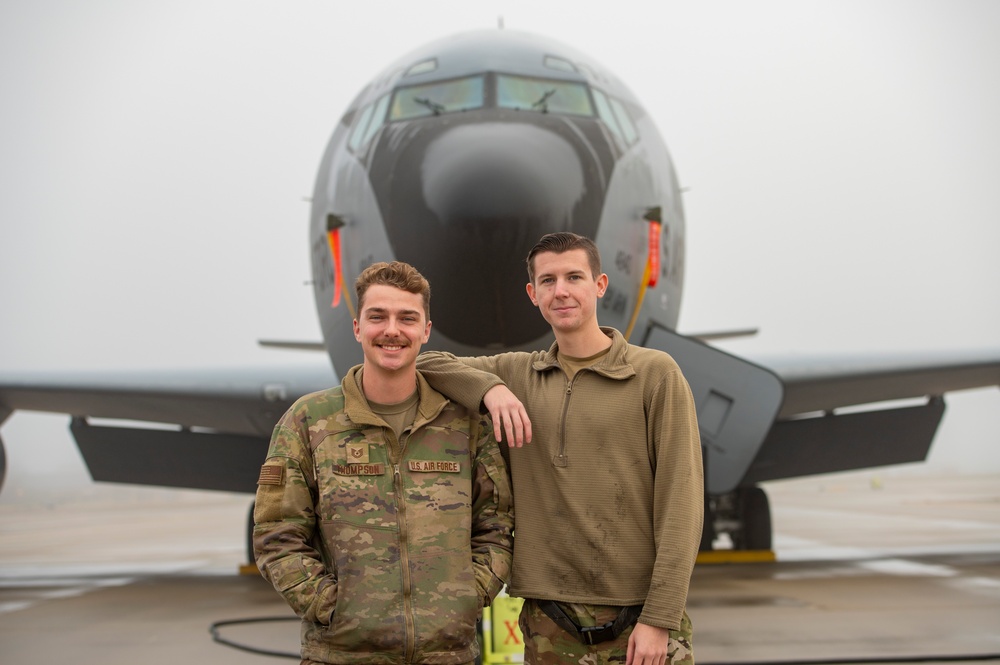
(828, 383)
(204, 429)
(817, 432)
(767, 418)
(763, 418)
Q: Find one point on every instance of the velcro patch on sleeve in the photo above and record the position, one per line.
(271, 474)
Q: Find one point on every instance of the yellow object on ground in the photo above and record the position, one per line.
(502, 639)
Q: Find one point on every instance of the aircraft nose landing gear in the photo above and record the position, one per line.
(744, 515)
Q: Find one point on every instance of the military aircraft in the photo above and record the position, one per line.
(456, 159)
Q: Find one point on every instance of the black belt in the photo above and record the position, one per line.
(590, 634)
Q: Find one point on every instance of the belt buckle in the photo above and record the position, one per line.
(596, 634)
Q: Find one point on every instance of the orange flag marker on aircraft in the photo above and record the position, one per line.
(653, 260)
(333, 238)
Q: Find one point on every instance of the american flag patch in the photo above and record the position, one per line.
(271, 474)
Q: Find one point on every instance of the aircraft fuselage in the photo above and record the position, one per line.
(460, 155)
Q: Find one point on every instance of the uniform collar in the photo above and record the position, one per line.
(614, 365)
(429, 403)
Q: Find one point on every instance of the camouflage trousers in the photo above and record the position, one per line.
(545, 643)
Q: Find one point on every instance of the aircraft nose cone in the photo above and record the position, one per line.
(502, 171)
(486, 193)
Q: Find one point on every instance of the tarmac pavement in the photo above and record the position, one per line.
(871, 567)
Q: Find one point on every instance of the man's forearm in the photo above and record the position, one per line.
(456, 378)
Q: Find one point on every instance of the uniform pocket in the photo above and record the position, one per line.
(369, 613)
(446, 603)
(287, 572)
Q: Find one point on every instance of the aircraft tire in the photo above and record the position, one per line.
(755, 514)
(708, 528)
(3, 464)
(249, 543)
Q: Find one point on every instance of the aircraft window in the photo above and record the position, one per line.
(377, 120)
(359, 128)
(422, 67)
(417, 101)
(552, 62)
(518, 92)
(628, 129)
(605, 112)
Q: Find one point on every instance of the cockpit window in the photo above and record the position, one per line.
(616, 117)
(377, 119)
(553, 62)
(370, 120)
(605, 112)
(418, 101)
(359, 129)
(531, 94)
(422, 67)
(628, 129)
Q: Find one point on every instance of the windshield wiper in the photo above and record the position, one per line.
(543, 102)
(431, 104)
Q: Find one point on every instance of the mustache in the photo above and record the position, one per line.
(392, 341)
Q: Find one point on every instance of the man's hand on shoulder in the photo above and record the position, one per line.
(509, 416)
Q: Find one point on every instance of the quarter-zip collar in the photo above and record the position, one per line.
(614, 365)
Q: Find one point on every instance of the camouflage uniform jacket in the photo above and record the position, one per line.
(387, 550)
(615, 460)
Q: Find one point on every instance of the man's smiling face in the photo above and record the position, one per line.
(566, 291)
(391, 327)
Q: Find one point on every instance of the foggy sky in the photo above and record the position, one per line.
(840, 161)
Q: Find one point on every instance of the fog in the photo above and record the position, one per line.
(839, 161)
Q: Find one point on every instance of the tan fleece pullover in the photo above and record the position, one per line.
(610, 490)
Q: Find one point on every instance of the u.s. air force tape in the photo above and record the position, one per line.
(440, 466)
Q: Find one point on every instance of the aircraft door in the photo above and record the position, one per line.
(737, 401)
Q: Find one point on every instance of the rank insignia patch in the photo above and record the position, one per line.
(357, 453)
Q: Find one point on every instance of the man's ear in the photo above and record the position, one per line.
(357, 330)
(530, 288)
(602, 284)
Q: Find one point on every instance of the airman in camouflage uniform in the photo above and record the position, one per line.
(388, 544)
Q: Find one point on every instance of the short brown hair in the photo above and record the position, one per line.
(565, 241)
(398, 274)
